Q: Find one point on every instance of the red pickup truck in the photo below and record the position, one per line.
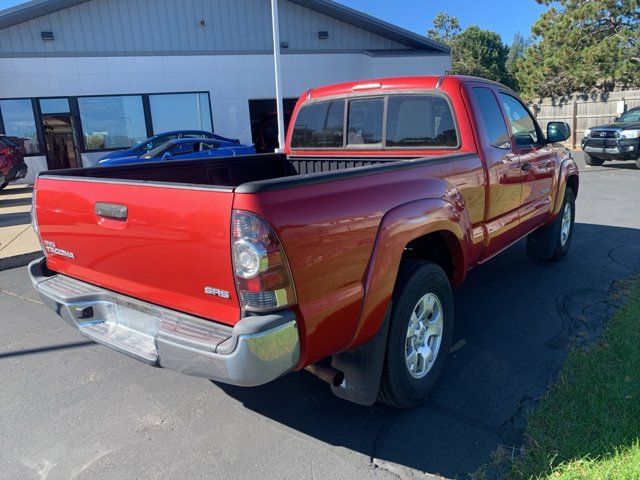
(338, 256)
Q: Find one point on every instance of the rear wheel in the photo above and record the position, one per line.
(552, 241)
(420, 333)
(592, 161)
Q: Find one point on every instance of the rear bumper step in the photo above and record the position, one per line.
(257, 350)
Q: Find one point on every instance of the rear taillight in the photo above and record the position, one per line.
(34, 217)
(263, 277)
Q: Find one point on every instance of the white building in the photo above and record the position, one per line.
(81, 77)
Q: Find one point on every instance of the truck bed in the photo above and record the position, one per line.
(226, 172)
(252, 172)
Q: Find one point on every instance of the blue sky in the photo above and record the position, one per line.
(503, 16)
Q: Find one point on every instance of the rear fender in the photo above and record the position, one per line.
(398, 228)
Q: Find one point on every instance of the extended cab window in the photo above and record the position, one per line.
(319, 125)
(420, 121)
(496, 132)
(523, 126)
(364, 126)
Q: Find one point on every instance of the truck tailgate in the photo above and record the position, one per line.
(174, 241)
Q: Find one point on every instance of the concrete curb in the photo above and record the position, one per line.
(18, 260)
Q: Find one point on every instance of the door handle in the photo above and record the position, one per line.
(111, 210)
(526, 167)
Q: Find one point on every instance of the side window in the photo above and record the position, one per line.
(523, 126)
(496, 131)
(319, 125)
(160, 140)
(420, 121)
(364, 125)
(193, 135)
(185, 148)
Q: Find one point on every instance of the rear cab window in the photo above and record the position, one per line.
(420, 121)
(319, 125)
(364, 124)
(391, 122)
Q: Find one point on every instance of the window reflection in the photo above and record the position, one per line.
(180, 111)
(19, 121)
(54, 105)
(112, 122)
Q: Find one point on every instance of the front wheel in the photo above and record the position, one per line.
(592, 161)
(552, 241)
(420, 333)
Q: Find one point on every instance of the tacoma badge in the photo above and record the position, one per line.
(51, 248)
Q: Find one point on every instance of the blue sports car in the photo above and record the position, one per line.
(150, 143)
(186, 149)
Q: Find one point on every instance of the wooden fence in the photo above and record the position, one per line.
(582, 111)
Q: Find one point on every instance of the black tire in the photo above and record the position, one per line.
(416, 279)
(548, 243)
(592, 161)
(2, 185)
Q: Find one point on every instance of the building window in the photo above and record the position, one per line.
(264, 122)
(180, 111)
(54, 105)
(112, 122)
(19, 121)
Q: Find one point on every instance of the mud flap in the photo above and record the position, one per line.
(541, 244)
(362, 367)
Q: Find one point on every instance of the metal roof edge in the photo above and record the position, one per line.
(37, 8)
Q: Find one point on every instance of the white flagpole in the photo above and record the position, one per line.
(275, 21)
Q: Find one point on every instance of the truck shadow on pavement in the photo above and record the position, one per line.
(515, 319)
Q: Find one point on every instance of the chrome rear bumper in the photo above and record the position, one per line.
(257, 350)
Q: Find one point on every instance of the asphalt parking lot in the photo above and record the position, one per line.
(72, 409)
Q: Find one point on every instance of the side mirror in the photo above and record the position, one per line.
(166, 156)
(558, 132)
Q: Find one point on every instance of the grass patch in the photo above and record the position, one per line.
(588, 425)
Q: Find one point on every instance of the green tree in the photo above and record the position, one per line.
(445, 28)
(586, 46)
(480, 53)
(517, 51)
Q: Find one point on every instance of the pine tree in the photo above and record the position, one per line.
(586, 46)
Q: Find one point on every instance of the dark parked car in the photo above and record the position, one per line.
(619, 140)
(12, 166)
(186, 149)
(157, 140)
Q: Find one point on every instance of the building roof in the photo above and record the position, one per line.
(37, 8)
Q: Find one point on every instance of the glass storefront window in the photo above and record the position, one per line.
(180, 111)
(54, 105)
(112, 122)
(19, 121)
